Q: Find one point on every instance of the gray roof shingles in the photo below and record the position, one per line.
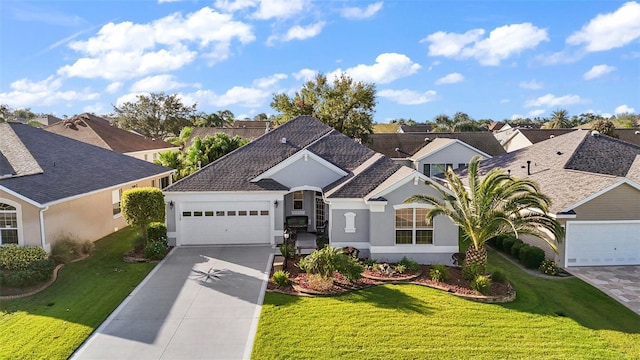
(409, 143)
(368, 180)
(71, 167)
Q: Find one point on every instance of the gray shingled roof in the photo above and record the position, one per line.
(235, 171)
(72, 167)
(537, 135)
(571, 167)
(409, 143)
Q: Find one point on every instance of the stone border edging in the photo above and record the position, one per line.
(53, 279)
(400, 279)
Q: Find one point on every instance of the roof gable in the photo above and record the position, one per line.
(15, 159)
(440, 144)
(403, 145)
(303, 161)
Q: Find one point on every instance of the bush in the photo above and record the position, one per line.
(287, 250)
(351, 269)
(326, 261)
(498, 242)
(68, 248)
(319, 283)
(400, 269)
(322, 241)
(481, 284)
(14, 257)
(471, 271)
(498, 276)
(281, 278)
(410, 264)
(37, 271)
(157, 231)
(155, 250)
(507, 242)
(549, 267)
(515, 248)
(369, 263)
(439, 273)
(531, 257)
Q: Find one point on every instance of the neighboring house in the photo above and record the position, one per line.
(516, 139)
(100, 132)
(498, 126)
(248, 133)
(305, 168)
(594, 183)
(53, 186)
(432, 153)
(251, 124)
(417, 128)
(47, 120)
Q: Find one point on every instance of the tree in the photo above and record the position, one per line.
(495, 205)
(142, 206)
(181, 140)
(559, 120)
(605, 127)
(346, 105)
(459, 122)
(156, 116)
(5, 113)
(218, 119)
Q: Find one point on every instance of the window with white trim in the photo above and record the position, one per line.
(413, 227)
(432, 170)
(298, 200)
(116, 195)
(8, 224)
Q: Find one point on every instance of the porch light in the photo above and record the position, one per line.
(275, 203)
(171, 204)
(286, 234)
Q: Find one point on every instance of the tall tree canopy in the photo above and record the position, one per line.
(559, 120)
(459, 122)
(344, 104)
(493, 206)
(155, 116)
(217, 119)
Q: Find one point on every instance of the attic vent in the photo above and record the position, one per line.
(595, 133)
(427, 139)
(559, 153)
(637, 132)
(551, 136)
(283, 140)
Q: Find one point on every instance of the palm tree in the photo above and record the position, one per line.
(559, 120)
(495, 205)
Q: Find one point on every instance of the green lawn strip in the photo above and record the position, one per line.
(53, 323)
(409, 322)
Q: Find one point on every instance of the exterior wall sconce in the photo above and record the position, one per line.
(171, 204)
(275, 203)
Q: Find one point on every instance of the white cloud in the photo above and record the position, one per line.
(531, 85)
(237, 95)
(611, 30)
(388, 67)
(280, 9)
(305, 74)
(505, 101)
(450, 79)
(48, 92)
(233, 6)
(113, 87)
(502, 43)
(126, 50)
(534, 113)
(624, 109)
(269, 81)
(97, 108)
(550, 100)
(298, 33)
(598, 71)
(355, 13)
(408, 97)
(156, 83)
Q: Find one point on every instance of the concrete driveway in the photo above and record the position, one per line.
(620, 282)
(176, 313)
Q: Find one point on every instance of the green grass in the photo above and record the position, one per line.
(53, 323)
(551, 318)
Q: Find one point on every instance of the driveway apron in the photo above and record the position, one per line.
(622, 283)
(178, 312)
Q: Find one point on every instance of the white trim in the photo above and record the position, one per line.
(18, 210)
(43, 239)
(413, 249)
(444, 146)
(295, 157)
(305, 187)
(412, 205)
(347, 204)
(407, 179)
(350, 221)
(605, 190)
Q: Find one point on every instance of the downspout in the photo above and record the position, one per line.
(42, 236)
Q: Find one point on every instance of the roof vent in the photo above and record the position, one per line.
(283, 140)
(551, 136)
(559, 153)
(637, 132)
(427, 139)
(595, 133)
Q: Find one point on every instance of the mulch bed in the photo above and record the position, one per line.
(456, 283)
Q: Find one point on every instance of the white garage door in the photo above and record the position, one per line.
(214, 223)
(603, 243)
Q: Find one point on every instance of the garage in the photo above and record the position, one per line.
(218, 223)
(597, 243)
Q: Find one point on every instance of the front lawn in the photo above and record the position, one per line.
(53, 323)
(559, 318)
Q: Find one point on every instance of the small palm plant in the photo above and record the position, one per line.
(493, 206)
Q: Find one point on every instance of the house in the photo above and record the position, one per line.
(308, 170)
(47, 120)
(51, 186)
(593, 181)
(100, 132)
(433, 152)
(498, 126)
(515, 139)
(417, 128)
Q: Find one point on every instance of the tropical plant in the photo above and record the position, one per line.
(605, 127)
(439, 273)
(495, 205)
(328, 260)
(559, 120)
(409, 264)
(481, 284)
(281, 278)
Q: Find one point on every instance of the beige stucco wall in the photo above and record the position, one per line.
(620, 203)
(517, 142)
(28, 220)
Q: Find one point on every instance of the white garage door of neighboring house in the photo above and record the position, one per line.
(215, 223)
(603, 243)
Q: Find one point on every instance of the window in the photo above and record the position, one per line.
(8, 224)
(186, 213)
(197, 213)
(146, 157)
(298, 200)
(208, 213)
(242, 213)
(231, 213)
(462, 165)
(153, 182)
(219, 213)
(164, 182)
(116, 195)
(253, 213)
(413, 227)
(435, 169)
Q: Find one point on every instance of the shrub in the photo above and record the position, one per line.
(155, 250)
(319, 283)
(481, 284)
(400, 269)
(281, 278)
(37, 271)
(322, 241)
(157, 231)
(515, 248)
(287, 250)
(507, 242)
(350, 268)
(439, 273)
(531, 257)
(471, 271)
(369, 263)
(14, 257)
(142, 206)
(498, 276)
(498, 242)
(68, 248)
(549, 267)
(326, 261)
(410, 264)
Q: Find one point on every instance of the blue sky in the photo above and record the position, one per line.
(490, 59)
